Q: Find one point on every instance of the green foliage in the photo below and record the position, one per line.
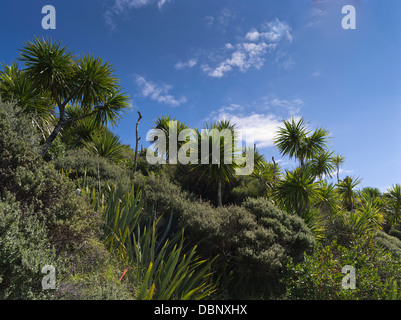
(94, 170)
(38, 185)
(107, 145)
(76, 133)
(395, 233)
(296, 141)
(15, 86)
(165, 271)
(297, 190)
(43, 220)
(162, 270)
(263, 245)
(24, 251)
(68, 79)
(347, 192)
(212, 168)
(338, 161)
(393, 292)
(166, 125)
(365, 220)
(142, 165)
(252, 240)
(268, 173)
(19, 142)
(319, 276)
(392, 205)
(94, 275)
(247, 187)
(389, 242)
(322, 164)
(121, 217)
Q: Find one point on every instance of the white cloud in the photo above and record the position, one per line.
(245, 56)
(121, 7)
(186, 65)
(275, 31)
(159, 93)
(263, 123)
(262, 127)
(251, 51)
(160, 3)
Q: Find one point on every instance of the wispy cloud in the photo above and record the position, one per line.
(251, 51)
(317, 14)
(222, 19)
(121, 7)
(159, 93)
(282, 107)
(186, 65)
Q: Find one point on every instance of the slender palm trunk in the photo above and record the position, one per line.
(219, 197)
(302, 162)
(338, 174)
(137, 141)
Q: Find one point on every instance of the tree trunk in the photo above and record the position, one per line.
(52, 137)
(137, 141)
(302, 161)
(274, 173)
(219, 198)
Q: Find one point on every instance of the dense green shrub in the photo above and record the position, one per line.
(290, 230)
(42, 220)
(389, 242)
(19, 144)
(39, 186)
(253, 241)
(24, 251)
(319, 276)
(81, 164)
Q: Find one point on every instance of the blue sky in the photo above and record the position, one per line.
(255, 62)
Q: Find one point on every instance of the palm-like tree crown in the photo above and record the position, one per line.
(393, 204)
(295, 141)
(346, 190)
(85, 81)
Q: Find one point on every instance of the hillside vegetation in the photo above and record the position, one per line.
(113, 226)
